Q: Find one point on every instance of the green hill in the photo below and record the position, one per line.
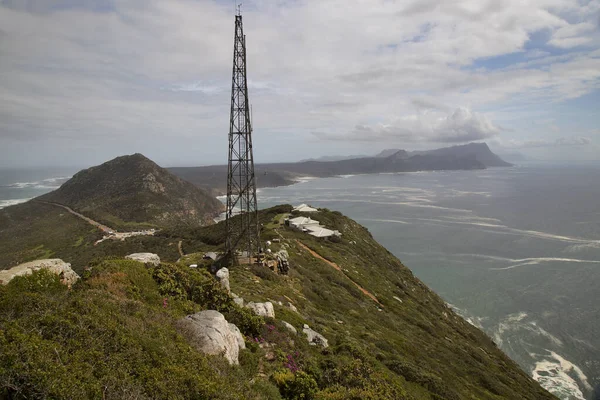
(115, 336)
(132, 191)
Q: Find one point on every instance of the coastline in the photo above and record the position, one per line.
(12, 202)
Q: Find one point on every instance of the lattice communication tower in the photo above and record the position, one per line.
(242, 209)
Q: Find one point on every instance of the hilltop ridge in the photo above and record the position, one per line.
(130, 190)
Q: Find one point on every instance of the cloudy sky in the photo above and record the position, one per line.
(82, 81)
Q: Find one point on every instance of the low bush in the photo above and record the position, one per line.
(295, 386)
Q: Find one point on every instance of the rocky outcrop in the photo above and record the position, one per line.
(289, 327)
(262, 309)
(237, 299)
(212, 334)
(292, 307)
(146, 258)
(54, 265)
(314, 338)
(282, 255)
(223, 277)
(238, 335)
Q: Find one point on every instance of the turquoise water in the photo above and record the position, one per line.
(514, 250)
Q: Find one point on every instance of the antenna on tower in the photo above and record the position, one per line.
(239, 9)
(241, 216)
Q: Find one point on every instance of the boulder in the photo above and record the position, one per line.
(289, 327)
(262, 309)
(223, 277)
(292, 307)
(214, 335)
(282, 255)
(238, 335)
(314, 338)
(146, 258)
(54, 265)
(237, 299)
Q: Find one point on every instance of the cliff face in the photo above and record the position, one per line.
(134, 190)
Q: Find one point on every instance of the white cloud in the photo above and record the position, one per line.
(572, 35)
(538, 143)
(157, 73)
(462, 125)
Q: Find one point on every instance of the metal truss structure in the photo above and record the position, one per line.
(242, 210)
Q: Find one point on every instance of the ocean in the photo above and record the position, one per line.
(20, 185)
(516, 251)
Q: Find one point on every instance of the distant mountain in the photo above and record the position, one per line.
(134, 190)
(389, 152)
(333, 158)
(213, 177)
(480, 151)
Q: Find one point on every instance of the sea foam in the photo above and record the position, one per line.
(555, 372)
(7, 203)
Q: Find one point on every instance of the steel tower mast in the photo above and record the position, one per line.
(242, 229)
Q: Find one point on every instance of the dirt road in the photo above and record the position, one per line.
(334, 265)
(110, 233)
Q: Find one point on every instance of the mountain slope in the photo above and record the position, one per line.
(390, 337)
(480, 151)
(133, 190)
(409, 331)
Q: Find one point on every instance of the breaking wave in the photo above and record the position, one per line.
(8, 203)
(49, 183)
(555, 374)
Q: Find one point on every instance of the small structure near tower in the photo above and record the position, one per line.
(242, 210)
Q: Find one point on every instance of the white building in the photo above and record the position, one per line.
(321, 232)
(305, 208)
(302, 222)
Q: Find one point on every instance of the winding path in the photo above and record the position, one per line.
(110, 233)
(98, 225)
(180, 248)
(334, 265)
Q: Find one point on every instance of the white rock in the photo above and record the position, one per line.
(282, 255)
(238, 335)
(54, 265)
(290, 327)
(237, 299)
(214, 335)
(314, 338)
(292, 307)
(223, 277)
(262, 309)
(146, 258)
